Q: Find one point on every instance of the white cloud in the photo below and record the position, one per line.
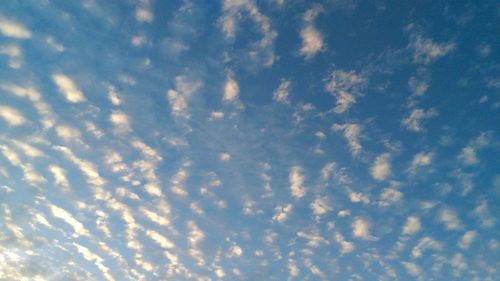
(282, 212)
(345, 246)
(344, 213)
(412, 269)
(87, 168)
(420, 160)
(414, 120)
(390, 196)
(13, 29)
(314, 240)
(161, 240)
(59, 175)
(361, 229)
(467, 239)
(235, 251)
(261, 50)
(381, 167)
(312, 39)
(216, 115)
(293, 269)
(281, 94)
(144, 14)
(195, 236)
(225, 156)
(426, 243)
(482, 212)
(458, 262)
(297, 182)
(120, 121)
(178, 98)
(352, 134)
(412, 225)
(43, 109)
(113, 96)
(12, 116)
(426, 51)
(15, 55)
(78, 228)
(468, 155)
(312, 42)
(344, 86)
(68, 134)
(357, 197)
(51, 41)
(231, 89)
(320, 206)
(450, 219)
(68, 88)
(327, 170)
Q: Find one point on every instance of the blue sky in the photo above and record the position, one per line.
(249, 140)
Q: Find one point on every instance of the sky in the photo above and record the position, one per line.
(249, 140)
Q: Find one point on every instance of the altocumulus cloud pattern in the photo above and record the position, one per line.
(249, 140)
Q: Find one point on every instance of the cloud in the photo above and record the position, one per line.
(414, 120)
(261, 50)
(426, 51)
(281, 94)
(312, 39)
(120, 121)
(297, 182)
(113, 96)
(450, 219)
(231, 89)
(14, 53)
(293, 269)
(320, 206)
(361, 229)
(68, 88)
(314, 240)
(357, 197)
(412, 269)
(178, 98)
(59, 175)
(420, 159)
(12, 116)
(483, 214)
(68, 134)
(344, 86)
(412, 225)
(216, 115)
(195, 236)
(13, 29)
(467, 239)
(78, 228)
(458, 262)
(390, 196)
(351, 132)
(425, 244)
(282, 212)
(381, 167)
(161, 240)
(345, 246)
(225, 156)
(43, 109)
(468, 154)
(51, 41)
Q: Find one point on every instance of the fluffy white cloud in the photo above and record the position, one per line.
(78, 227)
(450, 219)
(390, 196)
(312, 39)
(420, 160)
(320, 206)
(282, 212)
(381, 167)
(68, 134)
(361, 229)
(468, 155)
(68, 88)
(120, 121)
(412, 225)
(357, 197)
(13, 29)
(414, 120)
(426, 243)
(351, 132)
(12, 116)
(412, 269)
(281, 94)
(297, 182)
(14, 53)
(59, 175)
(231, 89)
(467, 239)
(293, 269)
(178, 98)
(344, 86)
(345, 246)
(426, 51)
